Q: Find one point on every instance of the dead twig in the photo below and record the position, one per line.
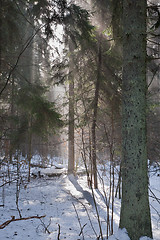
(13, 219)
(46, 227)
(8, 182)
(59, 232)
(154, 196)
(155, 210)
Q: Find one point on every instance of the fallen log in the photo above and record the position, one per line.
(13, 219)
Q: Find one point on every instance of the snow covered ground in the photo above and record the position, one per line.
(68, 206)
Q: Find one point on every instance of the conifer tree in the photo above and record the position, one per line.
(135, 211)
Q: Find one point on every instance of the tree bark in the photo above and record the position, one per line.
(71, 158)
(135, 211)
(94, 121)
(71, 150)
(29, 148)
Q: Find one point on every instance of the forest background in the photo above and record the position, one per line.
(61, 82)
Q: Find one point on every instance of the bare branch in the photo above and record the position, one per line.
(59, 232)
(157, 199)
(86, 212)
(81, 232)
(3, 225)
(45, 227)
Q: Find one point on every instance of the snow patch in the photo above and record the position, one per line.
(121, 234)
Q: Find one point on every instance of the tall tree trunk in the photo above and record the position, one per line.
(135, 211)
(29, 148)
(71, 151)
(94, 121)
(12, 114)
(71, 160)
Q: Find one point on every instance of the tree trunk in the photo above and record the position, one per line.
(95, 108)
(29, 148)
(71, 160)
(135, 212)
(12, 114)
(71, 154)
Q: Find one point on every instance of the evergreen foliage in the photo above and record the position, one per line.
(77, 25)
(24, 105)
(35, 114)
(33, 102)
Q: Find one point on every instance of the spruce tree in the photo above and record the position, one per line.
(135, 211)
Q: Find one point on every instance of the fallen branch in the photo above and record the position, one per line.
(8, 182)
(3, 225)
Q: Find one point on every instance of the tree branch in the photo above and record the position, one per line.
(3, 225)
(154, 196)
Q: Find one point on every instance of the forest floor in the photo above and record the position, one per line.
(68, 206)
